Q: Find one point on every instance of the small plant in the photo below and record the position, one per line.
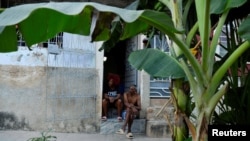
(45, 137)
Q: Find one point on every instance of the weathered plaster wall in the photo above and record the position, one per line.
(22, 97)
(71, 100)
(36, 97)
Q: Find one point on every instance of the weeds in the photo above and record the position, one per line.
(45, 137)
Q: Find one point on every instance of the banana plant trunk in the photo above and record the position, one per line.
(180, 99)
(179, 96)
(202, 129)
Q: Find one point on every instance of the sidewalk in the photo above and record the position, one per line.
(25, 135)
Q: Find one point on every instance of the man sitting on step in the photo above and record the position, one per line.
(132, 102)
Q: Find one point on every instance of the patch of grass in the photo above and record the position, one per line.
(44, 137)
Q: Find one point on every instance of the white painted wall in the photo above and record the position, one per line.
(24, 57)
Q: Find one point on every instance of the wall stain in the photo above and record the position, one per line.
(10, 121)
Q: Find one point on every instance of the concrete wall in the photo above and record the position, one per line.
(71, 100)
(22, 97)
(34, 96)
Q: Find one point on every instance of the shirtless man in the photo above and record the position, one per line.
(132, 101)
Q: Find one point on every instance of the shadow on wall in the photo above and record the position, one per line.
(10, 121)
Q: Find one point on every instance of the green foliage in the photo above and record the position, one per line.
(233, 108)
(75, 18)
(44, 137)
(156, 63)
(1, 10)
(220, 6)
(244, 30)
(59, 17)
(189, 139)
(203, 78)
(7, 42)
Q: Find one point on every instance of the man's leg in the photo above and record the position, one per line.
(131, 117)
(128, 113)
(130, 121)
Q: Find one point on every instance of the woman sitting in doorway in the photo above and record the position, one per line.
(112, 97)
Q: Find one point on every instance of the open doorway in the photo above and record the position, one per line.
(115, 63)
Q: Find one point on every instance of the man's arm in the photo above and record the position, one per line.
(126, 103)
(138, 103)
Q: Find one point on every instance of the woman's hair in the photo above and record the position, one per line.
(115, 77)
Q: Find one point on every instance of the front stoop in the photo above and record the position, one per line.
(157, 126)
(158, 129)
(112, 125)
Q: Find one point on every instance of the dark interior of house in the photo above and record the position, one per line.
(115, 62)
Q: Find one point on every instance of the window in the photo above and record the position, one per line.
(159, 87)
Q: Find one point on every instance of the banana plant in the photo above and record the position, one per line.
(233, 108)
(204, 82)
(42, 21)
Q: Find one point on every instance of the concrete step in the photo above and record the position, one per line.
(158, 129)
(157, 125)
(153, 113)
(112, 125)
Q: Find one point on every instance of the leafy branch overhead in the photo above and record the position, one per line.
(41, 21)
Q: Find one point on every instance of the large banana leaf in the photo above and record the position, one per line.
(244, 29)
(41, 21)
(156, 63)
(117, 29)
(220, 6)
(7, 42)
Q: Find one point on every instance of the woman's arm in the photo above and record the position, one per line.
(118, 96)
(106, 96)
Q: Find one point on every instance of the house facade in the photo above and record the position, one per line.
(58, 84)
(61, 87)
